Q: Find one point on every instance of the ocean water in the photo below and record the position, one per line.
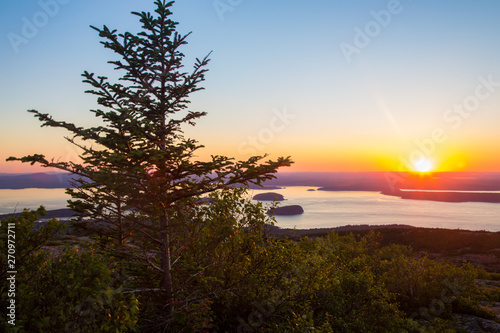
(16, 200)
(323, 209)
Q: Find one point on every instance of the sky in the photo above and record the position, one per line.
(337, 85)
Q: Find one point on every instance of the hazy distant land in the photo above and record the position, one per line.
(335, 181)
(447, 196)
(35, 180)
(418, 187)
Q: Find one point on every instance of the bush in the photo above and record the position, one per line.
(73, 292)
(424, 288)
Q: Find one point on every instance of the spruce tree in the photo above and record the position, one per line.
(138, 178)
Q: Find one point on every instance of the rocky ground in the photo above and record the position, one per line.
(474, 324)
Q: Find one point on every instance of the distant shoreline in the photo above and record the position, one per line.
(53, 213)
(67, 213)
(447, 196)
(337, 181)
(479, 247)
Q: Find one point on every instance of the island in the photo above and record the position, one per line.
(286, 210)
(446, 196)
(269, 196)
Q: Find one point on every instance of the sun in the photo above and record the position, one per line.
(423, 165)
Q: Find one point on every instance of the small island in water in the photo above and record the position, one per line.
(269, 196)
(286, 210)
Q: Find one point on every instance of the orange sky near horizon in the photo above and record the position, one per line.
(471, 158)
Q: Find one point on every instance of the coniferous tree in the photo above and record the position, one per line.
(138, 179)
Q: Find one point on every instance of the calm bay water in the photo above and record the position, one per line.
(324, 209)
(32, 198)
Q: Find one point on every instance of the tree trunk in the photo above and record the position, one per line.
(121, 236)
(165, 261)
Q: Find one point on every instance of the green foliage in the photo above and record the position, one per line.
(74, 293)
(71, 292)
(325, 284)
(423, 287)
(222, 251)
(438, 325)
(493, 294)
(467, 305)
(343, 284)
(247, 281)
(26, 239)
(483, 274)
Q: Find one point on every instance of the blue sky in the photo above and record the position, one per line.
(279, 81)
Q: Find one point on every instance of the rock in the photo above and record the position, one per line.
(311, 190)
(475, 324)
(287, 210)
(269, 196)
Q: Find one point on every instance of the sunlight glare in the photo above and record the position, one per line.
(423, 165)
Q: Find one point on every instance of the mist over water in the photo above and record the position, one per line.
(323, 209)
